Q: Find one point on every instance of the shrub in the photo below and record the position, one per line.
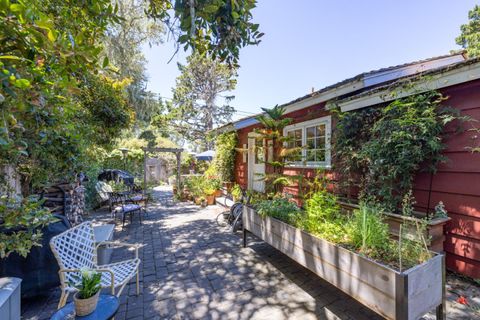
(225, 155)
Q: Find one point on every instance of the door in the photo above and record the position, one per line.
(256, 163)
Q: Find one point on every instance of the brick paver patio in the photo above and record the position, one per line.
(193, 269)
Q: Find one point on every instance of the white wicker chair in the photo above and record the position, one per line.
(75, 249)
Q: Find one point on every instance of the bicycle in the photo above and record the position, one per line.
(233, 217)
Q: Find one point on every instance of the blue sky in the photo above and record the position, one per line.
(315, 43)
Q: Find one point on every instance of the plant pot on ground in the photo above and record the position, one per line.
(88, 287)
(210, 200)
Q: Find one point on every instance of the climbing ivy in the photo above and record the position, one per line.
(380, 149)
(225, 155)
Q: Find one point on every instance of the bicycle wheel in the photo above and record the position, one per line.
(233, 209)
(238, 222)
(222, 218)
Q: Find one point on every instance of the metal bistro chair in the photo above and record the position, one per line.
(126, 207)
(75, 249)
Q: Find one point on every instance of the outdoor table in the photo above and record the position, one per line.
(106, 308)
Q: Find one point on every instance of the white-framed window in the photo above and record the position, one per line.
(313, 137)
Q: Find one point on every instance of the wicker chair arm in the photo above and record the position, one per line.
(136, 246)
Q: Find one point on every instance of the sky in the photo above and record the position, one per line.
(315, 43)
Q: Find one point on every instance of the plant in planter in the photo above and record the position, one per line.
(88, 286)
(236, 192)
(394, 278)
(210, 195)
(203, 202)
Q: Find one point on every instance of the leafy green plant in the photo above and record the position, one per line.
(88, 284)
(273, 122)
(413, 244)
(21, 221)
(281, 209)
(236, 191)
(225, 153)
(322, 212)
(380, 149)
(367, 232)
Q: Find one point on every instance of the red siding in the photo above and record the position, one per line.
(456, 183)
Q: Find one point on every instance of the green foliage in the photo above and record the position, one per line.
(197, 107)
(273, 122)
(21, 221)
(322, 215)
(367, 232)
(413, 245)
(236, 192)
(280, 208)
(202, 185)
(225, 153)
(89, 283)
(381, 149)
(218, 28)
(470, 33)
(45, 59)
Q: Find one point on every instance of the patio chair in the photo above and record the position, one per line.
(126, 207)
(75, 249)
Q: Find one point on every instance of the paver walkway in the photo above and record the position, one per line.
(194, 269)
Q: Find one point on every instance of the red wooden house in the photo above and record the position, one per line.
(457, 182)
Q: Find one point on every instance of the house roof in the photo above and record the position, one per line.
(363, 84)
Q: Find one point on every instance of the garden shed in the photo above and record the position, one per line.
(455, 183)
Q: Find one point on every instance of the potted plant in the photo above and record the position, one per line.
(210, 195)
(86, 298)
(203, 202)
(236, 193)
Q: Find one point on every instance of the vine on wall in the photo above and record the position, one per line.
(379, 149)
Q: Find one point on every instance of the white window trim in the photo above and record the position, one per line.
(327, 164)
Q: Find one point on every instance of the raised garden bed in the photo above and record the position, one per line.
(395, 295)
(435, 227)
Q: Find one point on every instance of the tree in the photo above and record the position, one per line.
(283, 149)
(123, 44)
(470, 36)
(196, 108)
(217, 28)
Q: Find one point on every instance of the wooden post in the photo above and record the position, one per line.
(244, 237)
(179, 164)
(442, 309)
(144, 172)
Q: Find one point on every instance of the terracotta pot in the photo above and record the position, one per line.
(84, 307)
(218, 193)
(210, 200)
(198, 201)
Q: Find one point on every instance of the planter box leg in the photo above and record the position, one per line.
(441, 309)
(244, 238)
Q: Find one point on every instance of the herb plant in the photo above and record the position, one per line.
(281, 209)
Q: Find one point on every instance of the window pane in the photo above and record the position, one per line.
(320, 155)
(321, 130)
(259, 156)
(298, 134)
(310, 155)
(310, 143)
(310, 132)
(320, 143)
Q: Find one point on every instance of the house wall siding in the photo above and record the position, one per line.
(456, 183)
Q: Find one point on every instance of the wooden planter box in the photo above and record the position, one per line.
(395, 295)
(435, 227)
